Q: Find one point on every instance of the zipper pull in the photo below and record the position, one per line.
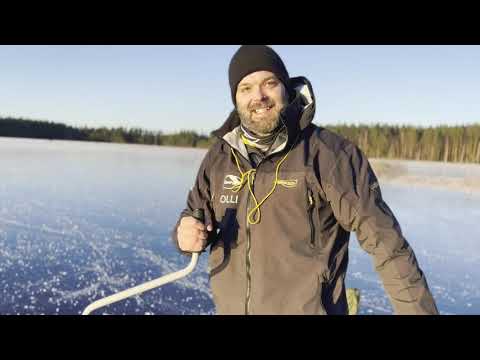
(310, 198)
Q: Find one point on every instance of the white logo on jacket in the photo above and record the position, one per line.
(230, 182)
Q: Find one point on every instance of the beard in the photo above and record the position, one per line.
(261, 124)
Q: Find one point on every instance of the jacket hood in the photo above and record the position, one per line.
(297, 115)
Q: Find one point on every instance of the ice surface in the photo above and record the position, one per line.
(79, 221)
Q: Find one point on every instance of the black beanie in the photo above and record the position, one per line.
(251, 58)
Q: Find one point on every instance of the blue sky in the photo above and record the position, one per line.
(171, 88)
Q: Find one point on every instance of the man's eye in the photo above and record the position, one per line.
(245, 89)
(272, 83)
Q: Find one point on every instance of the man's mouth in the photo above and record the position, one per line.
(262, 110)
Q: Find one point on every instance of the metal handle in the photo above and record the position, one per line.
(197, 214)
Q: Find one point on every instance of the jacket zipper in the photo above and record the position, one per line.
(247, 261)
(311, 206)
(247, 258)
(249, 244)
(249, 241)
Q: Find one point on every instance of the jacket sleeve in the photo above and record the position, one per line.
(198, 198)
(353, 191)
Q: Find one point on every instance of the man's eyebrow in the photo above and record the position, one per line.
(273, 77)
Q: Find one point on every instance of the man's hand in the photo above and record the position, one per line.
(192, 234)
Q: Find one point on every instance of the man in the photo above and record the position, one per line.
(281, 196)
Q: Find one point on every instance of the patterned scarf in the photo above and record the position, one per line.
(259, 147)
(262, 143)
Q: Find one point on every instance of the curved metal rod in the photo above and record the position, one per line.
(143, 287)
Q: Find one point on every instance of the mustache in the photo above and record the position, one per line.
(262, 104)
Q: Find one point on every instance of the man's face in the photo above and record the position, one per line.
(260, 97)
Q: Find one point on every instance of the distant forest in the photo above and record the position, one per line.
(13, 127)
(441, 143)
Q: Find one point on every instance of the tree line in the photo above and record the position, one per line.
(441, 143)
(19, 127)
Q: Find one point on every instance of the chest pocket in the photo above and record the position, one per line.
(321, 218)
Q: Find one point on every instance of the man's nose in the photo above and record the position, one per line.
(259, 94)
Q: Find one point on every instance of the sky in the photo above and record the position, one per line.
(172, 88)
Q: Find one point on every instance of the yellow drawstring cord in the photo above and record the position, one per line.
(248, 177)
(247, 142)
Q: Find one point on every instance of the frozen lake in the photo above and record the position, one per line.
(80, 220)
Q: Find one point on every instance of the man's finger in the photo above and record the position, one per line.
(198, 225)
(203, 235)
